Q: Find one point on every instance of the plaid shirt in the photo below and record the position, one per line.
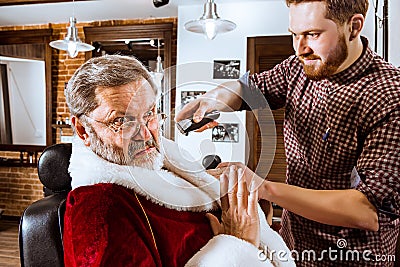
(361, 107)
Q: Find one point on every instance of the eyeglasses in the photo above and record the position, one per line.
(128, 123)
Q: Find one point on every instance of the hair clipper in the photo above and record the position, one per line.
(187, 125)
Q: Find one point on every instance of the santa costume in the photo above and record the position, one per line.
(130, 216)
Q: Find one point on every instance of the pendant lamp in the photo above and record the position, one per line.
(71, 43)
(210, 24)
(158, 74)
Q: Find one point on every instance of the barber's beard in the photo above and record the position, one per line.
(334, 60)
(152, 160)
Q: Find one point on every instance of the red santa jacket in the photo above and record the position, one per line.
(106, 226)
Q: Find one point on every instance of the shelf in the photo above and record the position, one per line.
(28, 155)
(56, 126)
(61, 127)
(22, 148)
(11, 163)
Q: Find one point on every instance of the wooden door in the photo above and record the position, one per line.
(263, 53)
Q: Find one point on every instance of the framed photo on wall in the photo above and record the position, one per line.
(187, 96)
(226, 132)
(226, 69)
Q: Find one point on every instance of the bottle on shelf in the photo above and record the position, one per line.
(60, 120)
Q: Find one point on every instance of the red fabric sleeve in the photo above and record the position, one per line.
(104, 227)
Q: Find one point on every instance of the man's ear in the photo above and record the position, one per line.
(80, 130)
(356, 24)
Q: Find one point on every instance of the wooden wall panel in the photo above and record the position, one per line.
(27, 51)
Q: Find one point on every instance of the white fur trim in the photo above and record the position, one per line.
(276, 248)
(226, 250)
(179, 161)
(197, 191)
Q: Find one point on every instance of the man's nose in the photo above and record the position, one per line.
(301, 46)
(144, 133)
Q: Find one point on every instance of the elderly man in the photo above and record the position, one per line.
(136, 201)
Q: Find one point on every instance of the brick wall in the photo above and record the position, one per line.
(20, 186)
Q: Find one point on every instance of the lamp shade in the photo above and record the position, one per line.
(71, 43)
(210, 23)
(158, 74)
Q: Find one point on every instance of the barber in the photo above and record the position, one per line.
(341, 132)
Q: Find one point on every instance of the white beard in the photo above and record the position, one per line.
(152, 161)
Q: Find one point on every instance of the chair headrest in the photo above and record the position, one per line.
(53, 167)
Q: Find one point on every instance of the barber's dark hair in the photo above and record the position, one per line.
(104, 71)
(339, 11)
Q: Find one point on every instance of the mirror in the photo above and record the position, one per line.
(22, 101)
(145, 42)
(26, 103)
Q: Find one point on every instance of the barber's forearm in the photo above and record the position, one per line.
(228, 93)
(347, 208)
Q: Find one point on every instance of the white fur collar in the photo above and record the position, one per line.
(183, 186)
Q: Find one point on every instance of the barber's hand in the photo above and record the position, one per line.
(225, 97)
(239, 208)
(207, 126)
(250, 177)
(198, 107)
(257, 182)
(216, 172)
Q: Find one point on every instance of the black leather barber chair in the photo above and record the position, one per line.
(41, 225)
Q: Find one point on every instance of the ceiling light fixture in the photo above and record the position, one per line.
(210, 23)
(71, 43)
(158, 73)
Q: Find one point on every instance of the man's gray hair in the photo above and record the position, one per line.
(104, 71)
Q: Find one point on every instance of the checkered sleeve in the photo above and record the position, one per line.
(379, 165)
(266, 88)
